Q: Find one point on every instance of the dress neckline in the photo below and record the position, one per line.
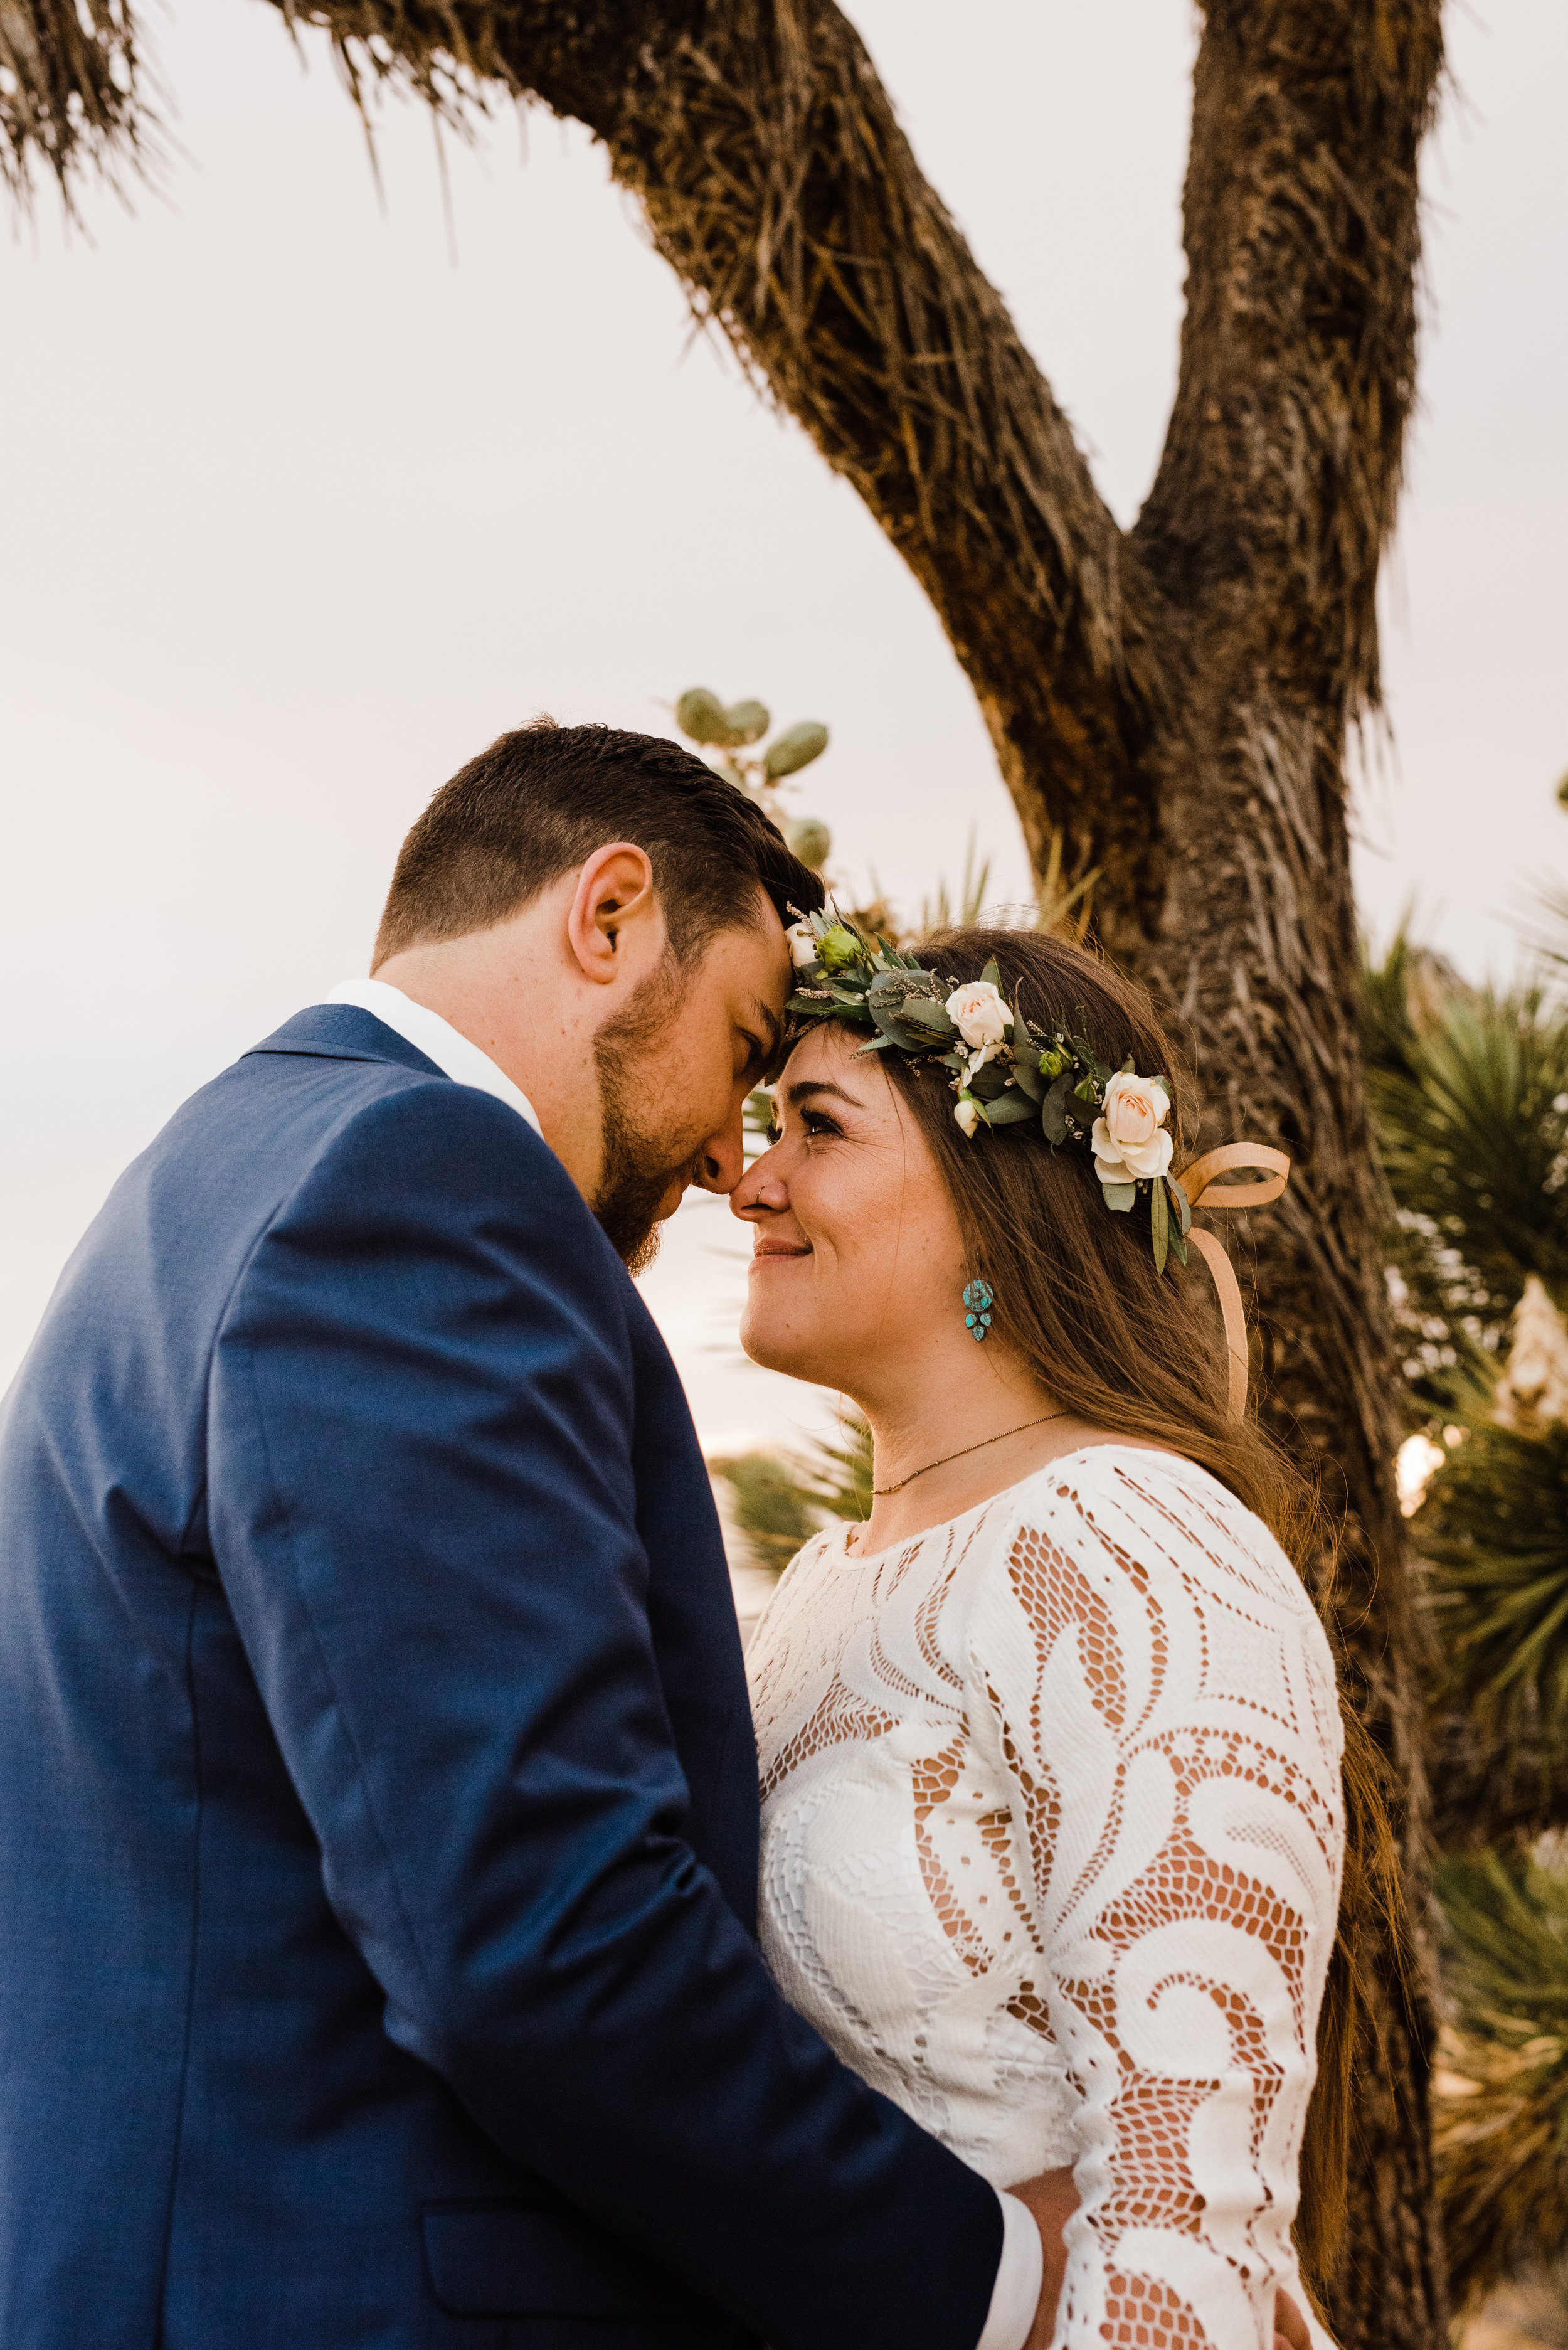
(836, 1539)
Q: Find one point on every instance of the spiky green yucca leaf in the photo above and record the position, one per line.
(1501, 2131)
(1471, 1111)
(772, 1509)
(1493, 1533)
(779, 1502)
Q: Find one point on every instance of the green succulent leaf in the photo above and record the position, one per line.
(746, 722)
(700, 716)
(795, 748)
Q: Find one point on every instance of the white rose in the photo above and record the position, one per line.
(802, 944)
(1129, 1140)
(966, 1109)
(982, 1017)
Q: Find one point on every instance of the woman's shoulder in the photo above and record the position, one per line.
(1153, 1514)
(1151, 1556)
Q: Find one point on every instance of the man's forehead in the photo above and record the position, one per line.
(755, 958)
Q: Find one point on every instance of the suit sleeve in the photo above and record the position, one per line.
(424, 1517)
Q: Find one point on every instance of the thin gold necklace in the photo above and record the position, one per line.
(883, 1491)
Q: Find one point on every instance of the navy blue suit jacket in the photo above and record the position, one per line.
(378, 1797)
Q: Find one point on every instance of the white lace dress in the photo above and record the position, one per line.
(1051, 1833)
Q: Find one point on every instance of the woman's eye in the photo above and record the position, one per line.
(775, 1135)
(815, 1122)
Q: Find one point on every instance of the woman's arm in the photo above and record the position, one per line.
(1052, 2198)
(1165, 1707)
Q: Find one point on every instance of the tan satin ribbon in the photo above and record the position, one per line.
(1198, 1178)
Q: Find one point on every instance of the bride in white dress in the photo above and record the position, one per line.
(1050, 1746)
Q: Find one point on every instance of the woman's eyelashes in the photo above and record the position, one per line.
(818, 1122)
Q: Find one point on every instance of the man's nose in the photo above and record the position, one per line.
(722, 1161)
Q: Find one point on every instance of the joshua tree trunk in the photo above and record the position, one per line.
(1173, 701)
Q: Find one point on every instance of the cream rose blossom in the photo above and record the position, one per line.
(1130, 1141)
(802, 944)
(979, 1014)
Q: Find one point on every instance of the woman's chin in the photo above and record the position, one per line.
(776, 1348)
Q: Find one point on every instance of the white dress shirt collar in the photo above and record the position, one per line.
(437, 1039)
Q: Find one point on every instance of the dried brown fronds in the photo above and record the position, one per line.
(71, 96)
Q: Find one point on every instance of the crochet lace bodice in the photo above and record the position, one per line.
(1052, 1836)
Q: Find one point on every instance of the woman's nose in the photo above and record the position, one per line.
(759, 1195)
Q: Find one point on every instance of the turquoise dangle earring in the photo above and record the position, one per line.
(978, 1301)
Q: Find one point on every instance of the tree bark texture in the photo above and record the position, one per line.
(1172, 704)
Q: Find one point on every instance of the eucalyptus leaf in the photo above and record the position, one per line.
(1178, 1247)
(892, 1028)
(877, 1045)
(1159, 1218)
(1011, 1109)
(1029, 1080)
(1183, 1208)
(952, 1060)
(992, 975)
(1054, 1114)
(988, 1083)
(1119, 1196)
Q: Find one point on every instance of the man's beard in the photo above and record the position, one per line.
(639, 1163)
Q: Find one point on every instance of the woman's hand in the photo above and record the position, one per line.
(1052, 2199)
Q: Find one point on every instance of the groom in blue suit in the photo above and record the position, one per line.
(378, 1799)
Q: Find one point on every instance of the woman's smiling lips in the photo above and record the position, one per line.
(768, 1247)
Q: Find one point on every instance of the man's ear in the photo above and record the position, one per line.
(612, 904)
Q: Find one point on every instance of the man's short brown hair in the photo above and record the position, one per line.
(543, 798)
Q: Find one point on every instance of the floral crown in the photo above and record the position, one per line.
(1006, 1070)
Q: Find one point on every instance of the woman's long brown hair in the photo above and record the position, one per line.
(1121, 1346)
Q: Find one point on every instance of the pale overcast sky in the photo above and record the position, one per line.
(301, 512)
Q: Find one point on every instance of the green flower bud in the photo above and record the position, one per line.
(1052, 1062)
(838, 948)
(1087, 1092)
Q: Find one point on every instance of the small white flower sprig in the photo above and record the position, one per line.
(1005, 1070)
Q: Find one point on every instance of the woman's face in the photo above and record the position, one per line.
(858, 1261)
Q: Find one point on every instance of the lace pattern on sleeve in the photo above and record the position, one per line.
(1169, 1725)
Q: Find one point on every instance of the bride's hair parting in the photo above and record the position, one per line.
(1119, 1345)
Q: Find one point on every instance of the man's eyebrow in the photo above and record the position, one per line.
(806, 1088)
(767, 1021)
